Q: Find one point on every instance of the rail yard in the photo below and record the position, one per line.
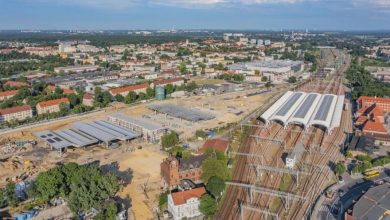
(261, 186)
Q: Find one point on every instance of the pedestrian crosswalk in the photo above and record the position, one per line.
(324, 208)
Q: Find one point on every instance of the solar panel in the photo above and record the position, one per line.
(324, 108)
(57, 139)
(302, 111)
(51, 141)
(287, 106)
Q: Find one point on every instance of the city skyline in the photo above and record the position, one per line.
(190, 14)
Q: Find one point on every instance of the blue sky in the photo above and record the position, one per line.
(195, 14)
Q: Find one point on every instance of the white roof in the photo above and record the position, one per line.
(307, 109)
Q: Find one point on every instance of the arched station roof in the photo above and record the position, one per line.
(306, 109)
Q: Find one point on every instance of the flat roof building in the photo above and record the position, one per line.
(374, 204)
(150, 130)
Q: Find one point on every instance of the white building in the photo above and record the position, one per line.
(185, 204)
(150, 130)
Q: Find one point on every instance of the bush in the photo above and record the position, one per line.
(201, 134)
(208, 205)
(340, 168)
(381, 161)
(361, 167)
(364, 157)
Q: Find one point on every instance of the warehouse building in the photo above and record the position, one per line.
(83, 134)
(150, 130)
(307, 109)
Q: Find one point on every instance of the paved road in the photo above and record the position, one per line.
(353, 190)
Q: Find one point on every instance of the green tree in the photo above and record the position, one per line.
(74, 99)
(264, 79)
(119, 98)
(191, 86)
(213, 167)
(169, 140)
(58, 91)
(142, 96)
(169, 89)
(216, 186)
(48, 185)
(150, 92)
(292, 79)
(340, 168)
(3, 200)
(163, 200)
(23, 92)
(109, 212)
(257, 72)
(183, 68)
(208, 205)
(348, 154)
(268, 85)
(11, 195)
(131, 97)
(107, 98)
(201, 134)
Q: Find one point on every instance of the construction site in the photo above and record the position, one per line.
(27, 151)
(289, 152)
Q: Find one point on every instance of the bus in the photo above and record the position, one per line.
(371, 174)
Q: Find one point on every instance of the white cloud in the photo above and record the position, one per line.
(123, 4)
(379, 4)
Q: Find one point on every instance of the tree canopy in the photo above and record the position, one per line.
(214, 168)
(83, 186)
(208, 205)
(216, 186)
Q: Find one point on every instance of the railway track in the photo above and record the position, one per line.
(310, 185)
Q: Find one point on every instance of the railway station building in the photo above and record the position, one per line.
(306, 109)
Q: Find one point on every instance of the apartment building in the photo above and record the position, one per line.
(18, 113)
(88, 99)
(185, 204)
(126, 89)
(8, 94)
(64, 89)
(76, 69)
(51, 106)
(15, 84)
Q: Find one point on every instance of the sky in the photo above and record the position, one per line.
(195, 14)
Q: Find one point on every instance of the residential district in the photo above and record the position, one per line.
(194, 125)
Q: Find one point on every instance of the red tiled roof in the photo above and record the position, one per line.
(88, 96)
(15, 109)
(168, 81)
(16, 83)
(217, 144)
(53, 102)
(180, 198)
(8, 93)
(371, 109)
(129, 88)
(372, 126)
(373, 99)
(362, 119)
(66, 91)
